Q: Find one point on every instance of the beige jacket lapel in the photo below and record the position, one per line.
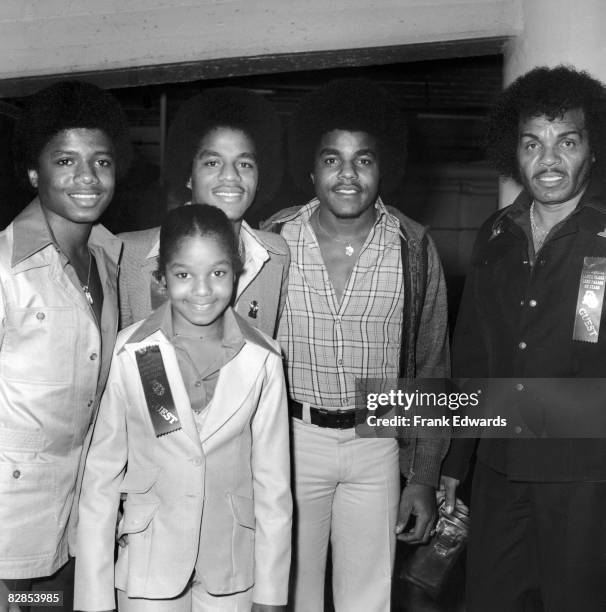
(229, 397)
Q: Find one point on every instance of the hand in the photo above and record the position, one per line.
(448, 491)
(257, 607)
(123, 539)
(420, 501)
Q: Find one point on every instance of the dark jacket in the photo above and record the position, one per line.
(516, 322)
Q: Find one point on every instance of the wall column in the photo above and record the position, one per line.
(556, 32)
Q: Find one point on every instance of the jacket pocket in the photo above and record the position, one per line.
(139, 481)
(29, 510)
(243, 538)
(138, 524)
(32, 336)
(243, 510)
(137, 517)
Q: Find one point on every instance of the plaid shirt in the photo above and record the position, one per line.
(327, 344)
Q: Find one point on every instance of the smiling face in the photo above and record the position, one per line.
(199, 280)
(554, 157)
(346, 173)
(225, 172)
(75, 177)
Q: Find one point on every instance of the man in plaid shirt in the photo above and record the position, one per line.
(366, 300)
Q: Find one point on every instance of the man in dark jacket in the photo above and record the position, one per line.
(532, 309)
(367, 300)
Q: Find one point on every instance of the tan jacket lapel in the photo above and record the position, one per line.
(229, 397)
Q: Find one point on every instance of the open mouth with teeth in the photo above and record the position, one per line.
(550, 179)
(88, 196)
(229, 194)
(347, 190)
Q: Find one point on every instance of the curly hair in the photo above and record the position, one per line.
(355, 105)
(196, 220)
(227, 107)
(549, 92)
(63, 106)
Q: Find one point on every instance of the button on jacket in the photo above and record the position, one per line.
(54, 361)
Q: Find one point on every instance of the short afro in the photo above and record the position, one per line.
(354, 105)
(69, 105)
(226, 107)
(548, 92)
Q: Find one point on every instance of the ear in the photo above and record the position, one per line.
(188, 184)
(313, 178)
(33, 177)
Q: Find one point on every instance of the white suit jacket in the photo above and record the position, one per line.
(54, 361)
(224, 491)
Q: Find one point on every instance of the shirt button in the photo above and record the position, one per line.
(40, 316)
(344, 402)
(89, 403)
(521, 302)
(93, 356)
(339, 362)
(198, 383)
(16, 474)
(518, 429)
(196, 461)
(519, 387)
(522, 345)
(532, 303)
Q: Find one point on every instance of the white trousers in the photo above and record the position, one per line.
(348, 489)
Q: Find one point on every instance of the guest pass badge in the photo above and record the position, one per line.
(157, 392)
(590, 300)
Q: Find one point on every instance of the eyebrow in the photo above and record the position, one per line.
(331, 151)
(178, 264)
(75, 152)
(562, 135)
(217, 154)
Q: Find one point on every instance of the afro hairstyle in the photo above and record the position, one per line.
(549, 92)
(226, 107)
(355, 105)
(63, 106)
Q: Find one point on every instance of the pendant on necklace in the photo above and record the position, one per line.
(87, 294)
(349, 250)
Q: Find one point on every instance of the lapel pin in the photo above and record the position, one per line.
(253, 309)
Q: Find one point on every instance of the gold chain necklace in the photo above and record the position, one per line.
(85, 287)
(349, 248)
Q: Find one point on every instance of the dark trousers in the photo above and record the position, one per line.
(536, 547)
(62, 580)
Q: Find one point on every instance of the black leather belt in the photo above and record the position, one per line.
(335, 419)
